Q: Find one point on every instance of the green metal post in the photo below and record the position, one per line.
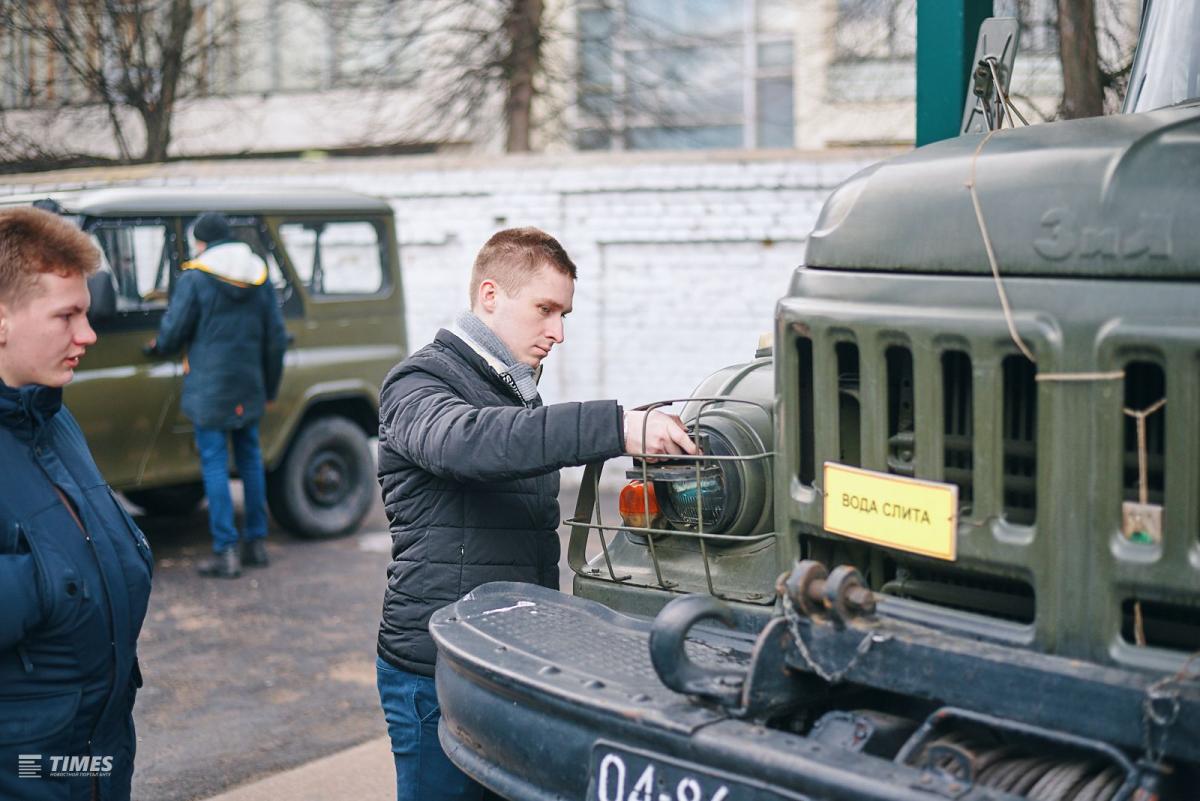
(946, 33)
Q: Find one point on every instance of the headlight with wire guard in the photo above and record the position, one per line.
(729, 496)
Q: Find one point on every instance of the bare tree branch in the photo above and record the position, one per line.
(124, 55)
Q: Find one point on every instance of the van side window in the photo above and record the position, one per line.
(335, 258)
(139, 259)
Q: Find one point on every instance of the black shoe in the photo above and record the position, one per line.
(222, 564)
(254, 553)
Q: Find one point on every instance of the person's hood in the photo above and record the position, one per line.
(26, 410)
(237, 266)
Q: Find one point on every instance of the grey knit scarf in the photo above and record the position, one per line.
(519, 376)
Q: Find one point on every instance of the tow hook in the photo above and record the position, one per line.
(671, 662)
(766, 685)
(814, 591)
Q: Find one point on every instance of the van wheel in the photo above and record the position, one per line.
(323, 487)
(179, 500)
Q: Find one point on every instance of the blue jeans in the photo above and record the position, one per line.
(423, 771)
(213, 445)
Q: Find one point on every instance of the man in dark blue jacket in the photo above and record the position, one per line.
(468, 461)
(223, 312)
(74, 568)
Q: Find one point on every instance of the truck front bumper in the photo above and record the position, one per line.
(534, 684)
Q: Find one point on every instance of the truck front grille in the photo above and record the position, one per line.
(878, 393)
(1050, 466)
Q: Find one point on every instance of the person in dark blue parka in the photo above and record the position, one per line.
(74, 568)
(224, 314)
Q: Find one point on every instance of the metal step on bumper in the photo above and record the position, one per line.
(537, 689)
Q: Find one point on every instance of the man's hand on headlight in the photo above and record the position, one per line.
(664, 434)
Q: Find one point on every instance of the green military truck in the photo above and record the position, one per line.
(332, 258)
(945, 542)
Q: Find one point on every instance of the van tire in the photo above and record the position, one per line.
(323, 487)
(178, 500)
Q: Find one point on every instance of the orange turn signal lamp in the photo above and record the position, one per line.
(636, 497)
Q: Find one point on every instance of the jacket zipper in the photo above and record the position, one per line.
(112, 626)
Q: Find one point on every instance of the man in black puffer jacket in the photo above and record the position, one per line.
(468, 462)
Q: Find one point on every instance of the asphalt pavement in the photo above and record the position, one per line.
(263, 687)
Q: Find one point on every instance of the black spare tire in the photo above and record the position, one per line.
(179, 500)
(323, 487)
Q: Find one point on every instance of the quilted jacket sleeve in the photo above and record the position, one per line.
(178, 325)
(424, 421)
(18, 592)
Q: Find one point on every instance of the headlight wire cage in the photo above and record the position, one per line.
(587, 506)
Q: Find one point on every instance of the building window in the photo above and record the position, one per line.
(685, 74)
(874, 51)
(875, 41)
(1039, 23)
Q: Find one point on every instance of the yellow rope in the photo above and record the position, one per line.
(991, 254)
(1112, 375)
(1006, 307)
(1139, 624)
(1143, 469)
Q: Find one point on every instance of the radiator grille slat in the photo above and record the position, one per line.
(1020, 440)
(901, 445)
(849, 405)
(958, 425)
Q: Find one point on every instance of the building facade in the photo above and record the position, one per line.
(289, 76)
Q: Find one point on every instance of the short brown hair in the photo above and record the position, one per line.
(33, 241)
(513, 256)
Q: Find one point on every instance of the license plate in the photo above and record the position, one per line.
(893, 511)
(621, 774)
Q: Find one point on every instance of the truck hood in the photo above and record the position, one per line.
(1105, 197)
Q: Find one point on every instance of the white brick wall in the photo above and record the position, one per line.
(681, 255)
(680, 264)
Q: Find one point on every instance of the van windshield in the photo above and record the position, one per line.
(1166, 70)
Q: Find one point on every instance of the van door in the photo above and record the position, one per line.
(353, 329)
(120, 396)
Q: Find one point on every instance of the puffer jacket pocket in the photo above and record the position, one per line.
(63, 592)
(38, 723)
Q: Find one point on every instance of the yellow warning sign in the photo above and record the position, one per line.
(897, 512)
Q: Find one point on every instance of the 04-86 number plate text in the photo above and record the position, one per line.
(619, 774)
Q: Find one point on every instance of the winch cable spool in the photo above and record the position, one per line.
(1016, 771)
